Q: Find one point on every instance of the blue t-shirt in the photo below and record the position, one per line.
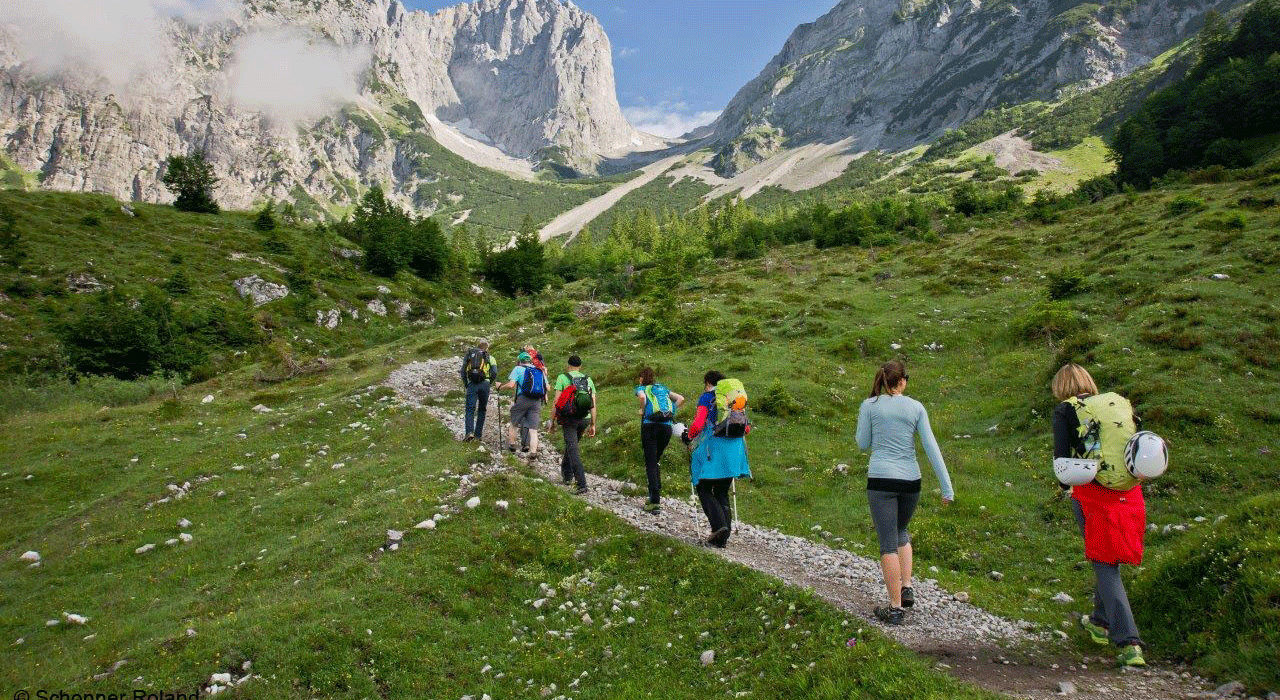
(517, 375)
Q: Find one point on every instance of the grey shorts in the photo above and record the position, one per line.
(526, 412)
(890, 513)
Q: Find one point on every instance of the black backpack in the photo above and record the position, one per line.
(477, 366)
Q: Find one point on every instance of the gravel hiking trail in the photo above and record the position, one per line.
(998, 654)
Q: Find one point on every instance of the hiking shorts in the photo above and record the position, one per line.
(526, 412)
(890, 513)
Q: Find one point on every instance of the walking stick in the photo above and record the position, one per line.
(502, 426)
(733, 487)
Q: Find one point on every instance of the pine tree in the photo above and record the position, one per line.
(192, 181)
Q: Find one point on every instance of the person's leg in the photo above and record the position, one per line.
(907, 503)
(579, 470)
(1112, 598)
(524, 438)
(884, 516)
(566, 467)
(572, 461)
(710, 506)
(533, 440)
(722, 497)
(649, 444)
(1099, 616)
(469, 414)
(482, 408)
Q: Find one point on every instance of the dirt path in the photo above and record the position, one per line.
(999, 654)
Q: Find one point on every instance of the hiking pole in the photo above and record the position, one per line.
(733, 487)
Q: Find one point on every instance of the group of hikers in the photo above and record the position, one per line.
(1101, 459)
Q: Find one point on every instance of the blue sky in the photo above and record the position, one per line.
(678, 62)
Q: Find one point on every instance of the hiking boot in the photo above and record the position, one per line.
(566, 480)
(653, 508)
(580, 490)
(511, 449)
(718, 538)
(891, 616)
(1097, 633)
(1131, 656)
(469, 438)
(908, 597)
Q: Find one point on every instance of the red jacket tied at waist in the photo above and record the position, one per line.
(1114, 523)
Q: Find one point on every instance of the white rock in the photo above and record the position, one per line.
(586, 618)
(539, 603)
(74, 618)
(395, 535)
(184, 523)
(275, 457)
(144, 548)
(220, 678)
(215, 689)
(207, 399)
(261, 409)
(30, 556)
(328, 319)
(1063, 597)
(1219, 276)
(171, 541)
(477, 289)
(384, 289)
(426, 525)
(185, 536)
(259, 290)
(1066, 688)
(376, 307)
(962, 596)
(473, 502)
(708, 657)
(501, 505)
(52, 623)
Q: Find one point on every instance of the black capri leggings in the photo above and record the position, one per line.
(890, 512)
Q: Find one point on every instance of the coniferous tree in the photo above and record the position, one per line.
(192, 181)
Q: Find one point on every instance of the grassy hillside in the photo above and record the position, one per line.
(1138, 304)
(285, 576)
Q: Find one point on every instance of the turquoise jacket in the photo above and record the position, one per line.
(719, 458)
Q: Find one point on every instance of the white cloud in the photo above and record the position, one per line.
(627, 52)
(293, 76)
(669, 119)
(118, 40)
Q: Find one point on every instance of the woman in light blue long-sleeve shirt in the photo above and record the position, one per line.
(888, 424)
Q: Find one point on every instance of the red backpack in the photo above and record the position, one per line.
(574, 401)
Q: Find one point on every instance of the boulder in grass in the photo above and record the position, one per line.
(144, 548)
(207, 399)
(708, 657)
(30, 556)
(426, 525)
(473, 502)
(260, 291)
(395, 535)
(74, 619)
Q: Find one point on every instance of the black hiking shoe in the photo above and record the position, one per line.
(469, 438)
(511, 449)
(580, 490)
(908, 597)
(566, 480)
(718, 538)
(891, 616)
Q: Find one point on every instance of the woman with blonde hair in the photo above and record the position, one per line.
(888, 423)
(1112, 521)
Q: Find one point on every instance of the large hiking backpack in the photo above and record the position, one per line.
(1106, 424)
(731, 409)
(575, 400)
(477, 366)
(533, 384)
(658, 406)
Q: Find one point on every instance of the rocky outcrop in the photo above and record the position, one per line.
(894, 73)
(533, 78)
(260, 291)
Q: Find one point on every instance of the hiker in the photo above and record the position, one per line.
(531, 392)
(575, 401)
(888, 423)
(1109, 510)
(535, 358)
(479, 371)
(658, 407)
(715, 462)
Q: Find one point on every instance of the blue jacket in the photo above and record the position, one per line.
(719, 458)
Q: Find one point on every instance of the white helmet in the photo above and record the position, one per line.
(1075, 472)
(1146, 456)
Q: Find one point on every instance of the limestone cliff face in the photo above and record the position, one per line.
(532, 77)
(894, 73)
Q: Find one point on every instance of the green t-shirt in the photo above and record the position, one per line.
(566, 379)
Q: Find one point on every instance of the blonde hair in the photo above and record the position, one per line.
(1073, 380)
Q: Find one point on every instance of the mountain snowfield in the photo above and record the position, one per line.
(514, 85)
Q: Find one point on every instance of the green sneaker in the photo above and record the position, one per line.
(1097, 633)
(652, 508)
(1132, 656)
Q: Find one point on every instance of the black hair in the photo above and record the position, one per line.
(713, 377)
(575, 361)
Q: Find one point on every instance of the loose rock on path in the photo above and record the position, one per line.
(999, 654)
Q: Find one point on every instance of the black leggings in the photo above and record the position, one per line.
(890, 513)
(714, 494)
(654, 438)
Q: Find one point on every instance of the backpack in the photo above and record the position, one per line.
(1106, 424)
(533, 384)
(731, 409)
(477, 366)
(575, 400)
(536, 358)
(658, 407)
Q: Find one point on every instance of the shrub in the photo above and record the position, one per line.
(777, 401)
(266, 220)
(12, 247)
(677, 327)
(521, 268)
(1224, 617)
(177, 285)
(1047, 321)
(192, 181)
(1185, 204)
(1065, 282)
(560, 315)
(90, 220)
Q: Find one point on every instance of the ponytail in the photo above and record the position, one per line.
(889, 376)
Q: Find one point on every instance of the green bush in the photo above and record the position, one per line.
(677, 327)
(1065, 283)
(1047, 320)
(777, 401)
(1225, 616)
(521, 268)
(560, 314)
(266, 220)
(1185, 204)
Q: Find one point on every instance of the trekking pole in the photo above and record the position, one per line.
(502, 427)
(733, 487)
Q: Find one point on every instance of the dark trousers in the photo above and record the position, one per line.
(654, 438)
(714, 494)
(477, 406)
(1110, 601)
(571, 462)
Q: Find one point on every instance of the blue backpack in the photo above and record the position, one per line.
(533, 384)
(658, 406)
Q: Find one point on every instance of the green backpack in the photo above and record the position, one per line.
(1106, 424)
